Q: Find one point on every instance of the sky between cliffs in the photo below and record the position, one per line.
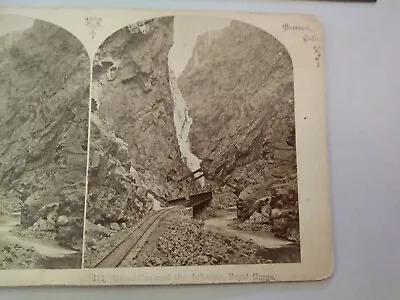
(186, 31)
(9, 23)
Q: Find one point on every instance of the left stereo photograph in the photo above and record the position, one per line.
(44, 112)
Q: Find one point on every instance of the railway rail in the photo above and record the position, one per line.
(133, 242)
(131, 245)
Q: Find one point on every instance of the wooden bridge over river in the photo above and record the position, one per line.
(196, 201)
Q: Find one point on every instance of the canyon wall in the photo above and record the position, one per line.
(239, 88)
(44, 106)
(135, 156)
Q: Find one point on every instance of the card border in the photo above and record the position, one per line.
(301, 34)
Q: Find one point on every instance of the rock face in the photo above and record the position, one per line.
(239, 88)
(10, 202)
(44, 92)
(135, 155)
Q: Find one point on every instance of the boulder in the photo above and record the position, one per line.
(115, 226)
(279, 227)
(62, 220)
(52, 217)
(250, 200)
(285, 211)
(96, 231)
(266, 210)
(202, 259)
(122, 153)
(261, 202)
(100, 227)
(256, 218)
(90, 242)
(42, 225)
(95, 160)
(46, 209)
(70, 235)
(293, 233)
(30, 210)
(276, 213)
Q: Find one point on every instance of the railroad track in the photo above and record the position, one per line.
(133, 243)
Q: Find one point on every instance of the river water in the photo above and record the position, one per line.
(45, 248)
(182, 49)
(273, 248)
(53, 255)
(220, 224)
(183, 122)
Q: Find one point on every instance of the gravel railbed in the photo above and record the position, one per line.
(96, 250)
(181, 241)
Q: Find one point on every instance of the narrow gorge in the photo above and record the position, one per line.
(167, 101)
(238, 85)
(44, 104)
(183, 122)
(135, 155)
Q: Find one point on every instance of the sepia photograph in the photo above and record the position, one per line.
(44, 105)
(143, 147)
(192, 147)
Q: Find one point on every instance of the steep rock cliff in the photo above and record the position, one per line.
(135, 157)
(239, 88)
(44, 92)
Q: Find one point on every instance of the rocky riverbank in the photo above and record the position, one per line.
(32, 249)
(181, 241)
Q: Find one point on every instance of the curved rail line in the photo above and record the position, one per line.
(137, 236)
